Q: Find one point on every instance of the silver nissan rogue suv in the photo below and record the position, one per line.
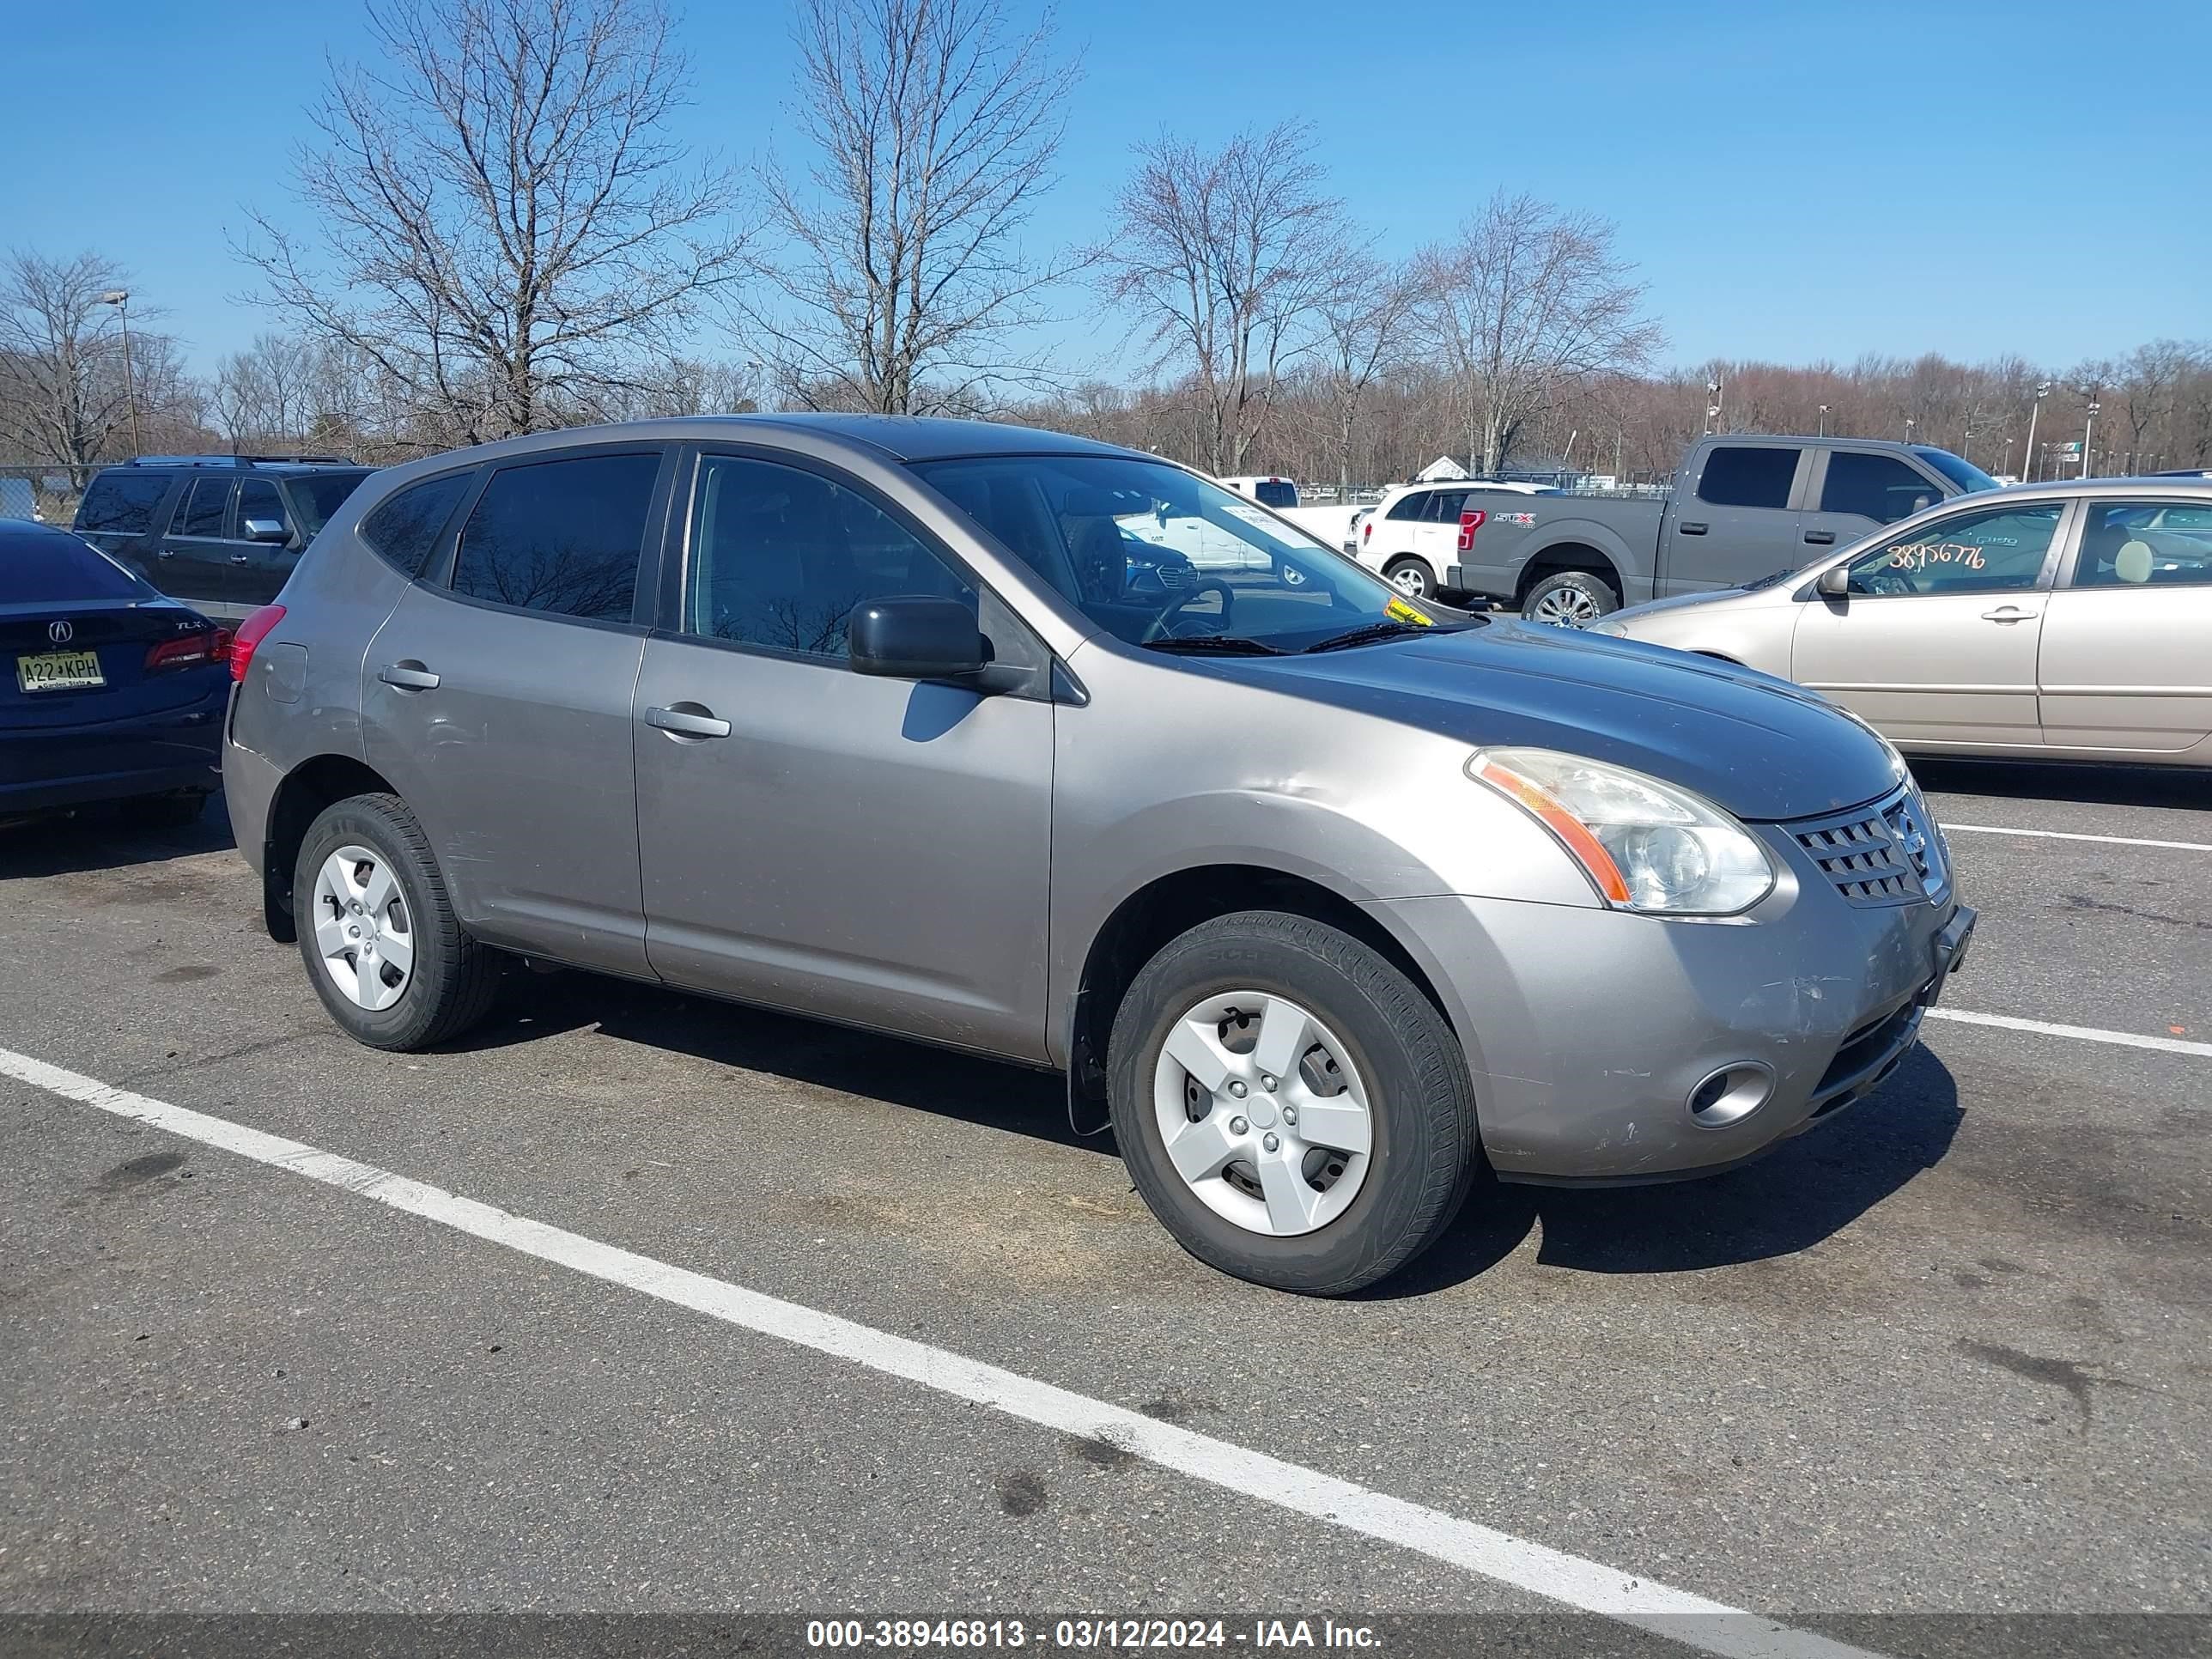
(1322, 895)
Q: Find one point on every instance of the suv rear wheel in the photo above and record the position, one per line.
(1411, 576)
(1291, 1107)
(389, 961)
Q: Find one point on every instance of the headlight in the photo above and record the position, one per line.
(1647, 844)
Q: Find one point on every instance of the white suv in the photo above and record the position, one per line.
(1412, 533)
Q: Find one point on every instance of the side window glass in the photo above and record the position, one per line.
(1444, 506)
(562, 537)
(1739, 475)
(2146, 545)
(1988, 552)
(202, 512)
(1877, 487)
(122, 503)
(405, 528)
(1410, 507)
(258, 499)
(779, 557)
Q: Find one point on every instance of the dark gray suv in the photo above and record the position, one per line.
(935, 727)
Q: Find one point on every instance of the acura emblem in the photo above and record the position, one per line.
(60, 632)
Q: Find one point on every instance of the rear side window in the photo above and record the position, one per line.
(406, 526)
(1409, 507)
(1740, 476)
(562, 537)
(48, 568)
(202, 512)
(1877, 487)
(122, 503)
(1444, 506)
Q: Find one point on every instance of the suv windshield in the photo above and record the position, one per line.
(319, 494)
(1965, 474)
(1153, 554)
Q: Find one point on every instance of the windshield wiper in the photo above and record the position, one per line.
(1227, 645)
(1375, 630)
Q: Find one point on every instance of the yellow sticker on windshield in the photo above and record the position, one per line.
(1406, 613)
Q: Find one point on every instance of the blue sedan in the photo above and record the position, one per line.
(108, 690)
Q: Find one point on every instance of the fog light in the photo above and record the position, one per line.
(1731, 1095)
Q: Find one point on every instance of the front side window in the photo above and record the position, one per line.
(321, 493)
(1159, 557)
(2146, 545)
(405, 526)
(202, 512)
(562, 537)
(122, 503)
(780, 556)
(1877, 487)
(1987, 552)
(258, 499)
(1740, 475)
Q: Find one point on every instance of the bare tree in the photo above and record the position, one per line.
(1527, 302)
(504, 233)
(1225, 257)
(62, 389)
(1363, 313)
(903, 288)
(265, 396)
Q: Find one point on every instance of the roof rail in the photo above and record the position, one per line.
(238, 460)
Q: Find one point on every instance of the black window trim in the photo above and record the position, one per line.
(671, 590)
(442, 556)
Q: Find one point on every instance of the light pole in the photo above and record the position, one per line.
(2088, 427)
(1823, 432)
(2007, 467)
(1712, 402)
(2027, 457)
(1909, 424)
(120, 299)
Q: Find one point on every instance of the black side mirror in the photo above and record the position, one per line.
(1834, 582)
(912, 636)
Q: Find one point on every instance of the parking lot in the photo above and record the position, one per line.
(1946, 1355)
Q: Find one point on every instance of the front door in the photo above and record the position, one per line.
(258, 569)
(870, 850)
(1935, 643)
(497, 700)
(2127, 643)
(1853, 493)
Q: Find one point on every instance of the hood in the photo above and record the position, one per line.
(1761, 747)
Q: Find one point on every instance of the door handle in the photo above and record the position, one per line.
(1821, 538)
(408, 677)
(1691, 529)
(167, 553)
(688, 722)
(2008, 613)
(241, 558)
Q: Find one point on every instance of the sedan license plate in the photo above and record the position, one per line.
(59, 670)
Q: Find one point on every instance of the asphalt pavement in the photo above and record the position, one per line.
(1946, 1355)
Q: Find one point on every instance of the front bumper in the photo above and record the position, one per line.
(1589, 1030)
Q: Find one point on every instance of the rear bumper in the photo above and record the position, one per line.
(45, 768)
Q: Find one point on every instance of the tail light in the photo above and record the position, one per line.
(1367, 532)
(251, 633)
(188, 650)
(1469, 522)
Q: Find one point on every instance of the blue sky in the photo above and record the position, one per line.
(1794, 180)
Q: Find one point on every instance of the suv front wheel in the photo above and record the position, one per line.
(1292, 1108)
(389, 959)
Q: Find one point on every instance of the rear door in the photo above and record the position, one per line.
(497, 697)
(1853, 492)
(1436, 533)
(2127, 643)
(194, 559)
(1736, 521)
(1935, 644)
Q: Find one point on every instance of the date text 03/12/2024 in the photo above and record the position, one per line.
(1085, 1634)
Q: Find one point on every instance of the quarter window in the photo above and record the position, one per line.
(1738, 475)
(2146, 545)
(405, 527)
(1877, 487)
(122, 503)
(562, 537)
(202, 512)
(1987, 552)
(780, 556)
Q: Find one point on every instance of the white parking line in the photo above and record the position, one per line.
(2078, 1033)
(1570, 1579)
(2069, 835)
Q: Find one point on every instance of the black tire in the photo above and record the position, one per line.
(1416, 567)
(454, 979)
(1574, 586)
(180, 810)
(1421, 1100)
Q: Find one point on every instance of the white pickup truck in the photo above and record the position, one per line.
(1332, 523)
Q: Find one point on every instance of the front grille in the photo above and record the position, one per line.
(1887, 853)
